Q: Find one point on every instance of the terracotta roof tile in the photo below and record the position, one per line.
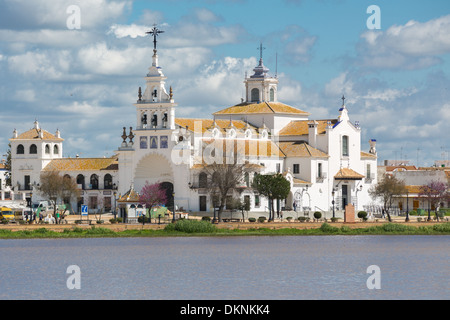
(263, 107)
(82, 164)
(348, 174)
(300, 127)
(368, 155)
(34, 134)
(300, 149)
(206, 124)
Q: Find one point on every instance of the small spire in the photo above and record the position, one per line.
(343, 100)
(140, 94)
(171, 93)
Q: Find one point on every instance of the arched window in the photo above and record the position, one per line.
(345, 146)
(272, 94)
(107, 181)
(33, 149)
(80, 180)
(255, 95)
(202, 180)
(47, 149)
(55, 149)
(20, 149)
(94, 182)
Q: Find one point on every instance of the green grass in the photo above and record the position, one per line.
(204, 228)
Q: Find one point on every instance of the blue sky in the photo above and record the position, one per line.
(84, 82)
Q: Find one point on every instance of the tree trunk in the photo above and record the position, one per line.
(388, 215)
(219, 213)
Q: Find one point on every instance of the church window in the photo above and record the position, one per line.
(247, 179)
(257, 201)
(107, 181)
(164, 119)
(20, 149)
(272, 94)
(296, 168)
(55, 149)
(255, 95)
(47, 149)
(33, 149)
(202, 180)
(319, 170)
(345, 146)
(80, 180)
(94, 182)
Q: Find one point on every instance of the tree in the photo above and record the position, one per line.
(435, 192)
(8, 166)
(152, 195)
(224, 178)
(54, 187)
(387, 189)
(273, 186)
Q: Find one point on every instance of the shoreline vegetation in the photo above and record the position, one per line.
(189, 228)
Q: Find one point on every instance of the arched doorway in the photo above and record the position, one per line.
(168, 186)
(153, 168)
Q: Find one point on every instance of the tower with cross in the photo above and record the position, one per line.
(261, 87)
(155, 108)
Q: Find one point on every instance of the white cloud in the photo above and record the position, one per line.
(44, 14)
(414, 45)
(133, 30)
(45, 64)
(100, 59)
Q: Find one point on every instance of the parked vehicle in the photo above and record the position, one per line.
(6, 213)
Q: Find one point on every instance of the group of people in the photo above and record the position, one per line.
(31, 217)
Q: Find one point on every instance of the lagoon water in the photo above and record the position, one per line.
(227, 268)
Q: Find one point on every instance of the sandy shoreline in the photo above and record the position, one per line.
(117, 227)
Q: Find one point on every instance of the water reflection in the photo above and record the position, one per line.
(279, 268)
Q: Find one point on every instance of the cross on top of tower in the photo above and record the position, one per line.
(154, 32)
(260, 48)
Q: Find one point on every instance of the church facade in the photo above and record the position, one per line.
(322, 159)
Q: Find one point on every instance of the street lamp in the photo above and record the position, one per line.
(332, 202)
(115, 208)
(173, 211)
(407, 206)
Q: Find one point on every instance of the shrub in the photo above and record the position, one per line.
(317, 215)
(289, 219)
(413, 213)
(392, 227)
(362, 215)
(206, 218)
(325, 227)
(191, 226)
(146, 219)
(4, 221)
(345, 229)
(444, 227)
(251, 219)
(419, 219)
(302, 219)
(261, 219)
(335, 219)
(112, 221)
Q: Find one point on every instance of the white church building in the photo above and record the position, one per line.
(322, 159)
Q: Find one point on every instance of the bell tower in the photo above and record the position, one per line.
(260, 87)
(155, 109)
